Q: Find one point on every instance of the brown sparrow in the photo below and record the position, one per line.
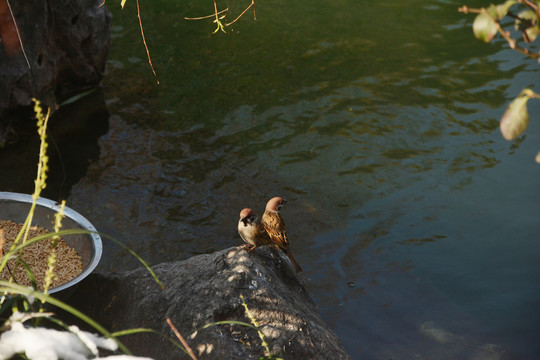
(275, 227)
(251, 230)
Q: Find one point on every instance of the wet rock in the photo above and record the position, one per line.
(73, 133)
(64, 50)
(206, 289)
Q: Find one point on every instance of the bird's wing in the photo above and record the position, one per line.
(275, 227)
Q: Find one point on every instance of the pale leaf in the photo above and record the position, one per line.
(484, 27)
(515, 119)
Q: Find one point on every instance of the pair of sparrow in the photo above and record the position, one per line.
(269, 231)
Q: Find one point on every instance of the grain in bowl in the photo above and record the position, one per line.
(68, 262)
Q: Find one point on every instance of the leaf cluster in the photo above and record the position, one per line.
(524, 16)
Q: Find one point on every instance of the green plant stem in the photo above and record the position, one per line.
(40, 181)
(256, 324)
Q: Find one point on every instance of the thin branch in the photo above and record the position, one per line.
(215, 10)
(243, 12)
(525, 23)
(465, 9)
(218, 18)
(513, 43)
(207, 16)
(144, 41)
(516, 17)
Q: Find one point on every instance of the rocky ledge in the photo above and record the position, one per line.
(207, 289)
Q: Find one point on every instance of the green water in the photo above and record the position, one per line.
(415, 222)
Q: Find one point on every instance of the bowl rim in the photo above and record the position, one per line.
(73, 215)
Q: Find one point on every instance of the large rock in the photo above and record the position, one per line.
(66, 44)
(206, 289)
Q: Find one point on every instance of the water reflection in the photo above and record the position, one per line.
(72, 135)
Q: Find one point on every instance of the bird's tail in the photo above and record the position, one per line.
(296, 266)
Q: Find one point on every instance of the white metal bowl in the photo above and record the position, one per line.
(15, 207)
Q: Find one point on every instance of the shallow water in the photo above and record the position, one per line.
(415, 222)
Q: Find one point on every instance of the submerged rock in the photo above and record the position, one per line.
(206, 289)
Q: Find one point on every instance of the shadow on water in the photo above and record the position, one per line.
(74, 130)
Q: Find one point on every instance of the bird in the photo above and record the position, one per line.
(251, 230)
(274, 226)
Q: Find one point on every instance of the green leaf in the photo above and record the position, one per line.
(484, 27)
(529, 26)
(532, 34)
(515, 119)
(526, 15)
(77, 97)
(500, 11)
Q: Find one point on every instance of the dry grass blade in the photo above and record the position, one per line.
(144, 41)
(181, 338)
(18, 33)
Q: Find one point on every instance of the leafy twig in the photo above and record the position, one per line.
(505, 34)
(218, 17)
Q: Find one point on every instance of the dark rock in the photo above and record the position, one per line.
(73, 133)
(206, 289)
(65, 42)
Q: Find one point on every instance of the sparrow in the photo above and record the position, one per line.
(274, 226)
(251, 230)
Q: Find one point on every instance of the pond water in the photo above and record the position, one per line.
(416, 224)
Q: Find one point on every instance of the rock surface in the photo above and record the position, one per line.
(66, 43)
(206, 289)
